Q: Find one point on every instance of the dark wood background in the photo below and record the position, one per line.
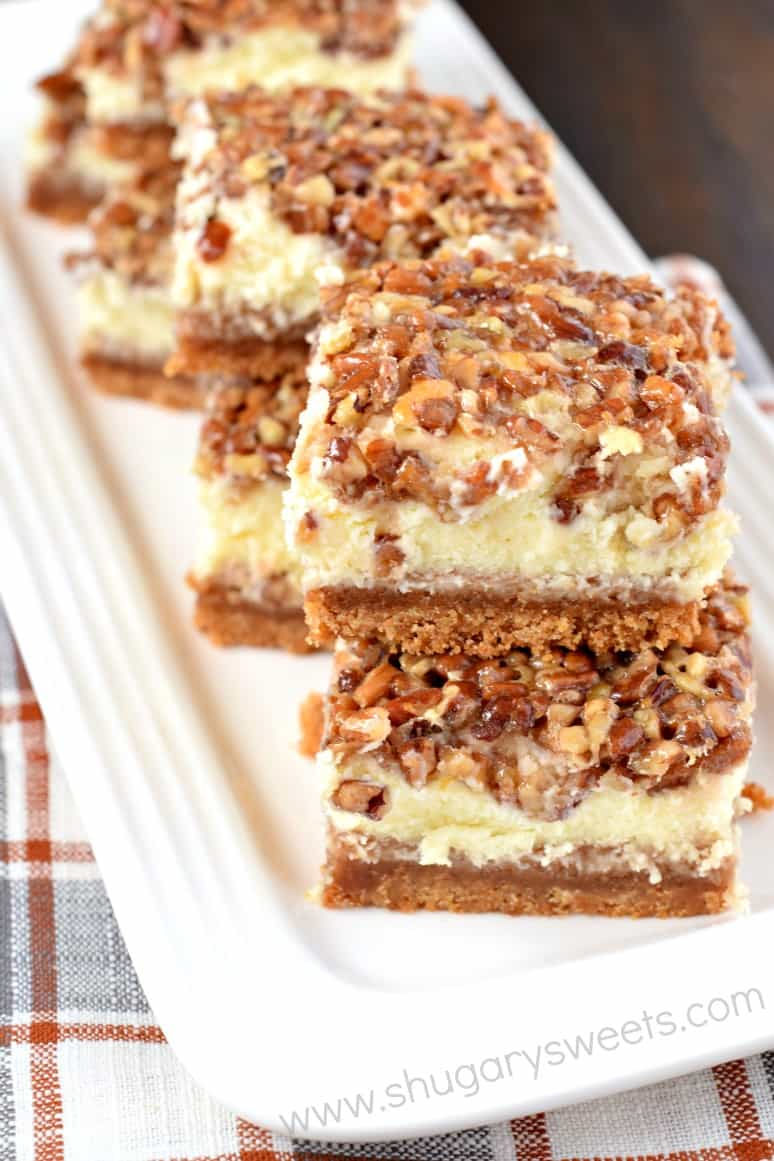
(669, 106)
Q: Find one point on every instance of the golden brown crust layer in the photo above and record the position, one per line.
(137, 381)
(63, 200)
(245, 357)
(230, 621)
(483, 625)
(403, 885)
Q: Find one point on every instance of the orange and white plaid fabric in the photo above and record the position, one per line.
(86, 1075)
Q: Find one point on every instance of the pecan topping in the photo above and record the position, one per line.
(398, 175)
(601, 389)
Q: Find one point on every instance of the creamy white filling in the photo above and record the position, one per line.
(691, 825)
(113, 98)
(242, 533)
(121, 320)
(266, 269)
(278, 58)
(508, 538)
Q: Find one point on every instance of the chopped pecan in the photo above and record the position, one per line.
(388, 554)
(418, 759)
(361, 798)
(375, 684)
(412, 705)
(368, 727)
(624, 737)
(213, 241)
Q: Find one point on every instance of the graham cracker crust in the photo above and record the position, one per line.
(245, 357)
(229, 621)
(400, 884)
(484, 624)
(138, 381)
(63, 200)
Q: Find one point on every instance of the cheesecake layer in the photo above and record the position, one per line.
(588, 882)
(281, 58)
(243, 534)
(279, 191)
(508, 542)
(126, 322)
(691, 825)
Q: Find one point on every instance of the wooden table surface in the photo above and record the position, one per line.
(669, 106)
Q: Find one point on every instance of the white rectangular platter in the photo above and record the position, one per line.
(204, 819)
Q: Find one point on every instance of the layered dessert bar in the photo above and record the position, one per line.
(110, 103)
(601, 783)
(498, 455)
(279, 191)
(125, 310)
(247, 583)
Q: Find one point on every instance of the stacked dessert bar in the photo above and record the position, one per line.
(125, 310)
(107, 111)
(106, 141)
(490, 480)
(279, 193)
(506, 500)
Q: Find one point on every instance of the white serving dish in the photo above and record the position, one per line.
(204, 819)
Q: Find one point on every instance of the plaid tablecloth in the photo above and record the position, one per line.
(86, 1075)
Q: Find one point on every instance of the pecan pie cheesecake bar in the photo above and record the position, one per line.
(126, 315)
(110, 103)
(247, 582)
(498, 455)
(602, 783)
(280, 189)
